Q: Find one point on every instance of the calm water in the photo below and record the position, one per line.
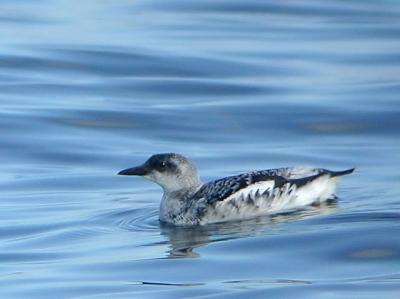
(88, 88)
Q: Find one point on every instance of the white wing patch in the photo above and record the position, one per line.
(252, 191)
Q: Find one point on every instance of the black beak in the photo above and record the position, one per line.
(138, 170)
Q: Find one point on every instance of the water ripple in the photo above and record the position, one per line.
(133, 220)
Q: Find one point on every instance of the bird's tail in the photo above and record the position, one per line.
(340, 173)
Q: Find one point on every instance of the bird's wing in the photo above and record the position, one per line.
(224, 188)
(262, 190)
(263, 183)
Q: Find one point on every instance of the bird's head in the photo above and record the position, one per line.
(173, 172)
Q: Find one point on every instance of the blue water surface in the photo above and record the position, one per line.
(88, 88)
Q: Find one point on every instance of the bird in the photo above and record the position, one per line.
(187, 201)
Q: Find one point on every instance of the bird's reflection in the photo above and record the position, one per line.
(183, 240)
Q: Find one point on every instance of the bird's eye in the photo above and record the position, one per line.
(163, 164)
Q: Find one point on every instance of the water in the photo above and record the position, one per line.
(92, 87)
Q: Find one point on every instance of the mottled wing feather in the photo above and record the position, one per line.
(221, 189)
(256, 188)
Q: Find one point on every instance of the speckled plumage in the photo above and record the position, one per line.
(187, 201)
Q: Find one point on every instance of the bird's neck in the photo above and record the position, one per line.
(176, 202)
(181, 187)
(182, 193)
